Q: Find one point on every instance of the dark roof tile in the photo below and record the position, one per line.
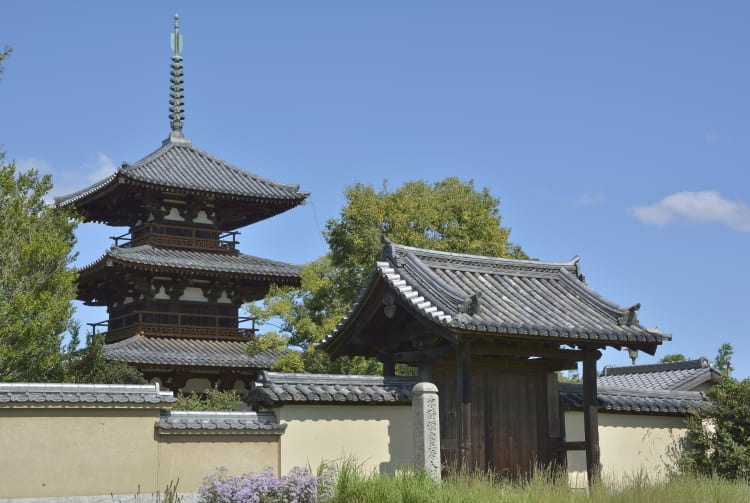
(147, 395)
(180, 165)
(188, 352)
(515, 297)
(643, 401)
(674, 375)
(275, 388)
(198, 261)
(172, 421)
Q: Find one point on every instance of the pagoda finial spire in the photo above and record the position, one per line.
(176, 97)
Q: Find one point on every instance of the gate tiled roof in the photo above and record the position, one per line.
(497, 296)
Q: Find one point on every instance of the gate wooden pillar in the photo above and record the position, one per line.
(591, 416)
(464, 399)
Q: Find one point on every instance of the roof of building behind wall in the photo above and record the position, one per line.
(276, 388)
(684, 375)
(639, 401)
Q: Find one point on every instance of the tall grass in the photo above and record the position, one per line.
(355, 486)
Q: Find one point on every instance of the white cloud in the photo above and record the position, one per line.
(714, 138)
(66, 181)
(40, 165)
(702, 207)
(589, 199)
(99, 167)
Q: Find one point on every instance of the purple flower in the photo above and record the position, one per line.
(299, 486)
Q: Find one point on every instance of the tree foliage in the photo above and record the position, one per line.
(718, 439)
(37, 282)
(674, 357)
(211, 399)
(7, 50)
(89, 365)
(723, 360)
(449, 215)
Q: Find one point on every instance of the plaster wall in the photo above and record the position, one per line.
(631, 445)
(190, 457)
(68, 451)
(377, 437)
(76, 451)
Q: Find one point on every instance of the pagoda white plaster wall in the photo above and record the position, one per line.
(196, 384)
(161, 294)
(193, 293)
(202, 218)
(630, 445)
(377, 437)
(174, 215)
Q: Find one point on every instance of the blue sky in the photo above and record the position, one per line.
(617, 132)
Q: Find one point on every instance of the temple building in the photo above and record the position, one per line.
(491, 333)
(174, 283)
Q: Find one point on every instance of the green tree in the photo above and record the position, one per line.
(4, 55)
(37, 282)
(718, 439)
(449, 215)
(676, 357)
(90, 365)
(211, 399)
(723, 360)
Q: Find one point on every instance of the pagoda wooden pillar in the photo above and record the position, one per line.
(591, 416)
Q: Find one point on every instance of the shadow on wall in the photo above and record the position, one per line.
(400, 444)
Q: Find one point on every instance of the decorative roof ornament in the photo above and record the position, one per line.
(176, 97)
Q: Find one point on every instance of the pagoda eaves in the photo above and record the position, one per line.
(238, 197)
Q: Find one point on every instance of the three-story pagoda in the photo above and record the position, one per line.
(174, 283)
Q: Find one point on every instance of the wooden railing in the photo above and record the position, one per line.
(178, 236)
(161, 324)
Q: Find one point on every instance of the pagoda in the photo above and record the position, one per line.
(174, 283)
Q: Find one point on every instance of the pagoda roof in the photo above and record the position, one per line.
(185, 352)
(179, 167)
(197, 263)
(494, 297)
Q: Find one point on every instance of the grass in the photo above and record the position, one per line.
(355, 486)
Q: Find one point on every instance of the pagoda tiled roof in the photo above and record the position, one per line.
(683, 375)
(239, 197)
(147, 395)
(207, 422)
(203, 263)
(183, 167)
(188, 352)
(497, 296)
(628, 400)
(277, 388)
